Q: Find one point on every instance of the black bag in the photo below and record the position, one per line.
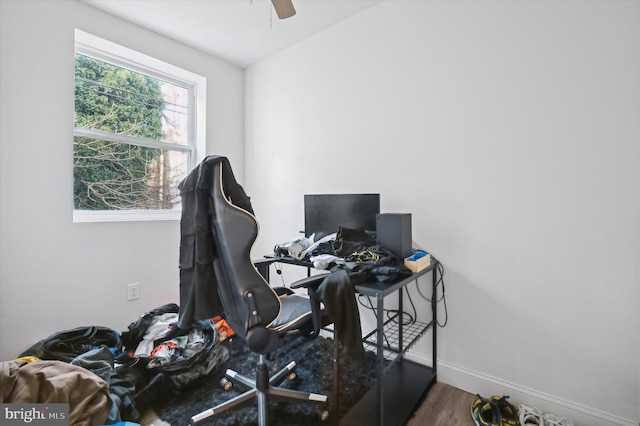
(188, 365)
(349, 241)
(68, 344)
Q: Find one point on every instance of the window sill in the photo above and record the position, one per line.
(82, 216)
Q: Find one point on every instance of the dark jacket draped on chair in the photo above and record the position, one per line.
(199, 297)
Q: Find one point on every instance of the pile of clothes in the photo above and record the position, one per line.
(107, 377)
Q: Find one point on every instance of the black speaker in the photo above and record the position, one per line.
(393, 232)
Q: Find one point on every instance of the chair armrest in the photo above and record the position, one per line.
(312, 282)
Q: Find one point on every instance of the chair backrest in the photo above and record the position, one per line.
(245, 295)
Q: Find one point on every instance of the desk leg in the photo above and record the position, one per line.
(380, 359)
(434, 323)
(400, 321)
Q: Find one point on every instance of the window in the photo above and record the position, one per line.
(138, 131)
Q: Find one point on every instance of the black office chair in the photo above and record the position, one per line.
(253, 309)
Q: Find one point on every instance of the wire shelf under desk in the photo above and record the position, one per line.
(392, 347)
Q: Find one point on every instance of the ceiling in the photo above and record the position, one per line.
(242, 32)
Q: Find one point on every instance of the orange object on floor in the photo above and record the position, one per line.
(224, 330)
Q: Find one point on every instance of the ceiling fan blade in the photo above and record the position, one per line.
(284, 8)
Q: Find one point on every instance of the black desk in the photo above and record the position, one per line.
(404, 383)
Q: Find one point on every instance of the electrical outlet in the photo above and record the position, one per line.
(133, 291)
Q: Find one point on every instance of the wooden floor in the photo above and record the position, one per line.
(444, 406)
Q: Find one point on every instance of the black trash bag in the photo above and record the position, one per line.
(198, 361)
(67, 345)
(202, 355)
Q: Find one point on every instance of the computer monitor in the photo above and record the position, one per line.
(325, 213)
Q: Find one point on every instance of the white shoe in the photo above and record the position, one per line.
(530, 416)
(552, 420)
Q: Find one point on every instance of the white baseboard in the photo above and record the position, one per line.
(478, 383)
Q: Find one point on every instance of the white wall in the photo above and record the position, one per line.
(510, 131)
(54, 274)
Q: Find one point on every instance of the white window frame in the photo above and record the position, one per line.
(101, 49)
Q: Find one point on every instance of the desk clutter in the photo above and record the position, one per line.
(349, 232)
(353, 250)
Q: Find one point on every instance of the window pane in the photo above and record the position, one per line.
(175, 113)
(118, 100)
(120, 176)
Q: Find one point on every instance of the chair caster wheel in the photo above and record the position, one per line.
(292, 376)
(226, 384)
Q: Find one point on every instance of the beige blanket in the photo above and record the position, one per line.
(42, 381)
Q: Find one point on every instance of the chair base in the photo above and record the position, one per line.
(270, 390)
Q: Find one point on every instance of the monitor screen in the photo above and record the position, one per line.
(325, 213)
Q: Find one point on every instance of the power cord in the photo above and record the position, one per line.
(394, 315)
(443, 299)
